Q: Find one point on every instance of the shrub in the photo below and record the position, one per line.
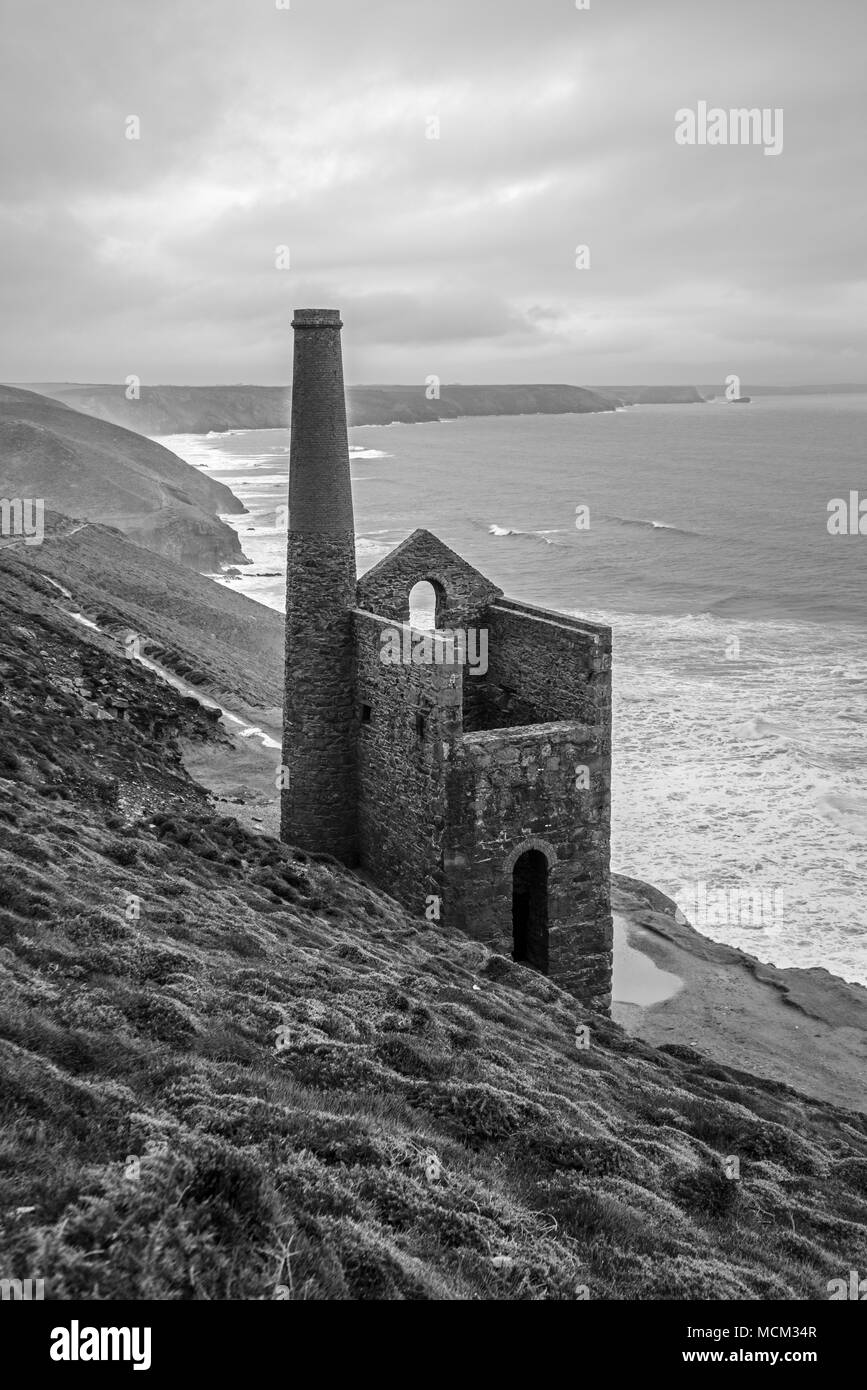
(476, 1111)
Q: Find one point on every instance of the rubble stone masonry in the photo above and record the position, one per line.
(488, 791)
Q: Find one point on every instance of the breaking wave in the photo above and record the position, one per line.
(495, 530)
(648, 524)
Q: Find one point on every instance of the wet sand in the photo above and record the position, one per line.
(637, 978)
(807, 1028)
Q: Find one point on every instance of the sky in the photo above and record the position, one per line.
(430, 168)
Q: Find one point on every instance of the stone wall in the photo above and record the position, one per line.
(449, 814)
(439, 780)
(402, 764)
(541, 668)
(517, 789)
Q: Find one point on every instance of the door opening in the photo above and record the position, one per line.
(530, 910)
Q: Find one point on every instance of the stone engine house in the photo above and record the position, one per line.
(477, 790)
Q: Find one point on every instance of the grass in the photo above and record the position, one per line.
(231, 1070)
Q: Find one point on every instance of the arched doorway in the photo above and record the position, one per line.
(425, 605)
(530, 910)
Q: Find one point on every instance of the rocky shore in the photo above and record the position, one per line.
(806, 1028)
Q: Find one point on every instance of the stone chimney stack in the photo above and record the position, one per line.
(318, 800)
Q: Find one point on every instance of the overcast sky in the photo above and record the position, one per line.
(308, 128)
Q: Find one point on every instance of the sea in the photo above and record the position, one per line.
(700, 534)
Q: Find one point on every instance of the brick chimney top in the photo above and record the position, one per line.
(317, 318)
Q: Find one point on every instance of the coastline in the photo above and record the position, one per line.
(788, 731)
(804, 1028)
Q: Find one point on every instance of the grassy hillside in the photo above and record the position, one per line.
(97, 471)
(217, 639)
(197, 409)
(229, 1069)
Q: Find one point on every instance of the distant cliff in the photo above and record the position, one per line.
(94, 470)
(656, 395)
(199, 409)
(380, 405)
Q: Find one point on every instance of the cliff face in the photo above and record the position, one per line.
(198, 409)
(95, 470)
(183, 534)
(656, 395)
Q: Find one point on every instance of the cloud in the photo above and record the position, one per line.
(308, 128)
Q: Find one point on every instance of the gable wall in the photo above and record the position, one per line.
(385, 589)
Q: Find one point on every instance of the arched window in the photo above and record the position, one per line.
(530, 910)
(425, 603)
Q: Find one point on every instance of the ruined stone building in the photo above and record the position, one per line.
(481, 796)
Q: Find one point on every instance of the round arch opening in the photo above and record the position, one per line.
(426, 605)
(530, 909)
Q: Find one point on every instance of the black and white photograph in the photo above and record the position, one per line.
(433, 679)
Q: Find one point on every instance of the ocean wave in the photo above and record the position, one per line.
(648, 524)
(357, 451)
(495, 530)
(759, 727)
(365, 546)
(845, 804)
